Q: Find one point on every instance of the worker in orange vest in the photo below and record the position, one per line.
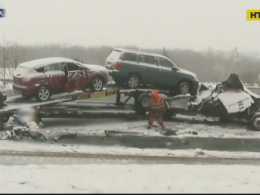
(157, 108)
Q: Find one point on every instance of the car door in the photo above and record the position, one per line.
(81, 78)
(55, 77)
(149, 69)
(167, 74)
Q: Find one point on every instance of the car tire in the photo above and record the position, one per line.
(144, 100)
(133, 81)
(97, 84)
(43, 94)
(184, 88)
(255, 121)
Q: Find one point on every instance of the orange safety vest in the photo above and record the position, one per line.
(157, 104)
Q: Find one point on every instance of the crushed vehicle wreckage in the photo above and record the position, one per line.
(229, 100)
(23, 125)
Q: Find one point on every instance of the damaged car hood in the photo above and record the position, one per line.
(234, 95)
(94, 67)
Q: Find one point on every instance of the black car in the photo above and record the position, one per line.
(133, 68)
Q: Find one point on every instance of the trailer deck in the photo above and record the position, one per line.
(71, 105)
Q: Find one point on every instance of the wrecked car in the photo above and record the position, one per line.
(44, 77)
(229, 100)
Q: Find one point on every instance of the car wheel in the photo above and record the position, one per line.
(97, 84)
(43, 94)
(255, 121)
(144, 100)
(184, 88)
(133, 81)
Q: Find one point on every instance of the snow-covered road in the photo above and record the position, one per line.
(20, 153)
(129, 179)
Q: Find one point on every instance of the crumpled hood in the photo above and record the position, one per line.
(187, 72)
(95, 67)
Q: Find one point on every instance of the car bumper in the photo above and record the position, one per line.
(21, 90)
(115, 74)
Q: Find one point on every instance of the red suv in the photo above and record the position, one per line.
(44, 77)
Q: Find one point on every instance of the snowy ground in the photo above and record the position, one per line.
(98, 126)
(130, 179)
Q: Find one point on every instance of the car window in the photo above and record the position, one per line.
(40, 69)
(130, 57)
(53, 67)
(165, 63)
(72, 67)
(63, 66)
(150, 60)
(141, 59)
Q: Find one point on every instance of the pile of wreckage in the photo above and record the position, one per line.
(22, 125)
(229, 100)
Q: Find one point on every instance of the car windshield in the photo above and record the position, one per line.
(174, 65)
(167, 63)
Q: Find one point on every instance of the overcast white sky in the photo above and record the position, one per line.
(193, 24)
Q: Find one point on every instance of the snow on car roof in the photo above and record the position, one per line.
(44, 61)
(140, 52)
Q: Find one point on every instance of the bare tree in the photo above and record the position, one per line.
(15, 56)
(16, 53)
(209, 65)
(164, 52)
(4, 58)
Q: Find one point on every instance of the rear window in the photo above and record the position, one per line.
(22, 70)
(114, 56)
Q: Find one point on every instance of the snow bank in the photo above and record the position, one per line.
(130, 179)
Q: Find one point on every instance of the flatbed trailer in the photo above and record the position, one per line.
(71, 105)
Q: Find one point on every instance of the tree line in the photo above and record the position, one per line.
(209, 65)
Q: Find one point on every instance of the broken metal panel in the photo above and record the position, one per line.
(235, 101)
(179, 102)
(234, 82)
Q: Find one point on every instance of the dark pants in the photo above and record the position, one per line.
(156, 116)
